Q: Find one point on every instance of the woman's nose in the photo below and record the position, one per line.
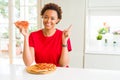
(48, 20)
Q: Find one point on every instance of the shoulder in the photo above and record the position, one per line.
(59, 31)
(35, 33)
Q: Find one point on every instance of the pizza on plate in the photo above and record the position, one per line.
(41, 68)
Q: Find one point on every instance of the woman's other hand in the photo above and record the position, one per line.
(66, 34)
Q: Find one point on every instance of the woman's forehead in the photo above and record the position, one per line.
(50, 13)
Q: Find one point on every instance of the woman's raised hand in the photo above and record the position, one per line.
(66, 33)
(22, 26)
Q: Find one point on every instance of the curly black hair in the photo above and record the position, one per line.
(52, 6)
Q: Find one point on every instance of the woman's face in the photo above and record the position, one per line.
(50, 18)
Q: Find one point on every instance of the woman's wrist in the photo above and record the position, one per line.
(26, 36)
(64, 43)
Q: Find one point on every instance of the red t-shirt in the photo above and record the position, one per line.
(47, 49)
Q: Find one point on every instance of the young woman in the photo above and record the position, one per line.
(49, 44)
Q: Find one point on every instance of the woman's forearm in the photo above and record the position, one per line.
(64, 58)
(27, 53)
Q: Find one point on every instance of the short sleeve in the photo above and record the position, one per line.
(69, 45)
(31, 42)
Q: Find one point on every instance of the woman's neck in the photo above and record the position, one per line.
(49, 32)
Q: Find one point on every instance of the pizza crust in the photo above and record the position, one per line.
(41, 68)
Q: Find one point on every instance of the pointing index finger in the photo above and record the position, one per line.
(69, 28)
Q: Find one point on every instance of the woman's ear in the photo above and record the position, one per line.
(58, 21)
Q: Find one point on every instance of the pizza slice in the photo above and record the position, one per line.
(20, 24)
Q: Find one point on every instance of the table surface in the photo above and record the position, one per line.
(18, 72)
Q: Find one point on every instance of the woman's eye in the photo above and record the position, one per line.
(45, 17)
(52, 18)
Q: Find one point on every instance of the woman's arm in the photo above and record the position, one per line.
(28, 53)
(64, 58)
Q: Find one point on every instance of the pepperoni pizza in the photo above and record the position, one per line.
(41, 68)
